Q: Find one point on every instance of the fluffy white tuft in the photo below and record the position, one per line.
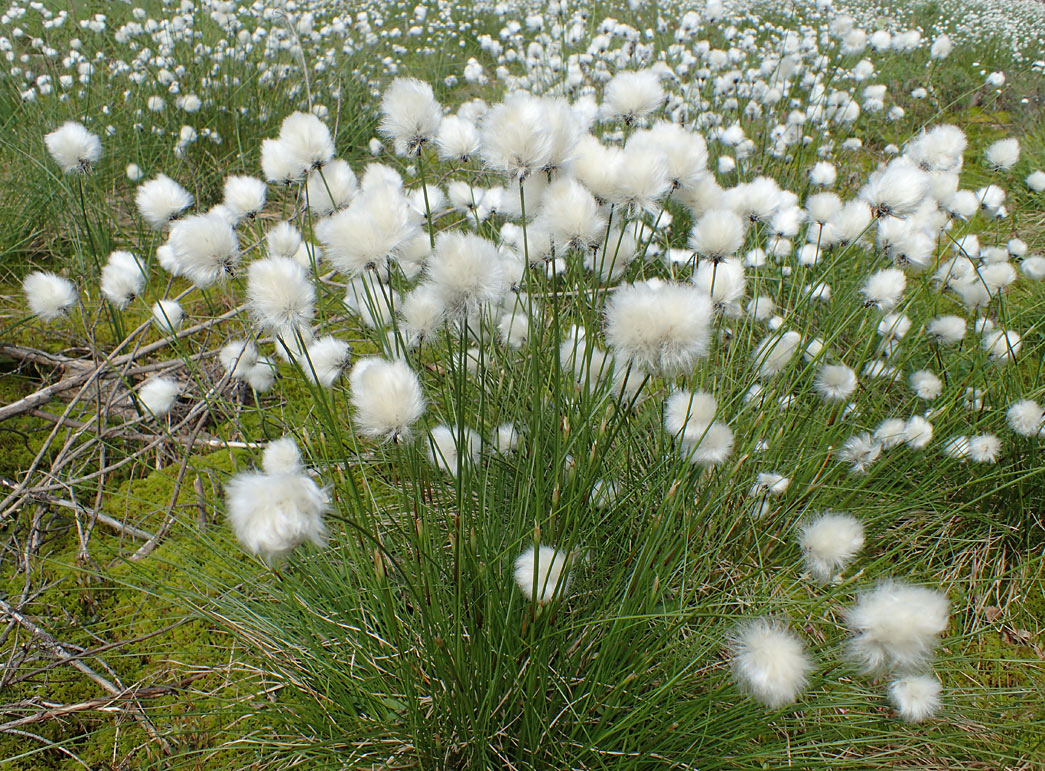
(331, 188)
(387, 397)
(632, 95)
(836, 382)
(542, 573)
(366, 234)
(1003, 154)
(205, 248)
(167, 315)
(718, 234)
(282, 456)
(324, 360)
(829, 542)
(160, 200)
(769, 662)
(280, 296)
(157, 395)
(410, 115)
(664, 328)
(467, 271)
(244, 196)
(273, 514)
(895, 626)
(446, 453)
(1025, 417)
(775, 351)
(123, 278)
(514, 138)
(73, 147)
(915, 697)
(49, 295)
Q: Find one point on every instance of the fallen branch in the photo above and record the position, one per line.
(100, 704)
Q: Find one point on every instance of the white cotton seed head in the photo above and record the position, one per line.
(769, 662)
(422, 312)
(632, 95)
(925, 384)
(205, 248)
(570, 216)
(458, 139)
(829, 542)
(157, 395)
(279, 164)
(542, 574)
(367, 233)
(1036, 181)
(283, 240)
(160, 200)
(642, 178)
(685, 152)
(447, 451)
(896, 626)
(1003, 154)
(324, 360)
(123, 278)
(718, 234)
(244, 196)
(836, 382)
(711, 447)
(513, 328)
(280, 296)
(947, 330)
(860, 452)
(514, 139)
(821, 208)
(262, 376)
(467, 271)
(940, 148)
(372, 301)
(915, 697)
(505, 439)
(387, 398)
(724, 283)
(1025, 417)
(823, 174)
(850, 222)
(687, 414)
(898, 190)
(167, 316)
(894, 326)
(49, 295)
(282, 456)
(775, 351)
(984, 448)
(307, 140)
(662, 328)
(768, 483)
(273, 514)
(331, 188)
(598, 167)
(1002, 346)
(884, 288)
(917, 432)
(237, 357)
(410, 115)
(73, 147)
(563, 128)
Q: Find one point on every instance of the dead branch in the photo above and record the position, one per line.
(102, 704)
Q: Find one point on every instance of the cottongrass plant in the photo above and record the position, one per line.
(623, 450)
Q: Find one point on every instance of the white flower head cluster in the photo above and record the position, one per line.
(275, 510)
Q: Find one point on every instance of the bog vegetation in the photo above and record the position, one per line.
(524, 386)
